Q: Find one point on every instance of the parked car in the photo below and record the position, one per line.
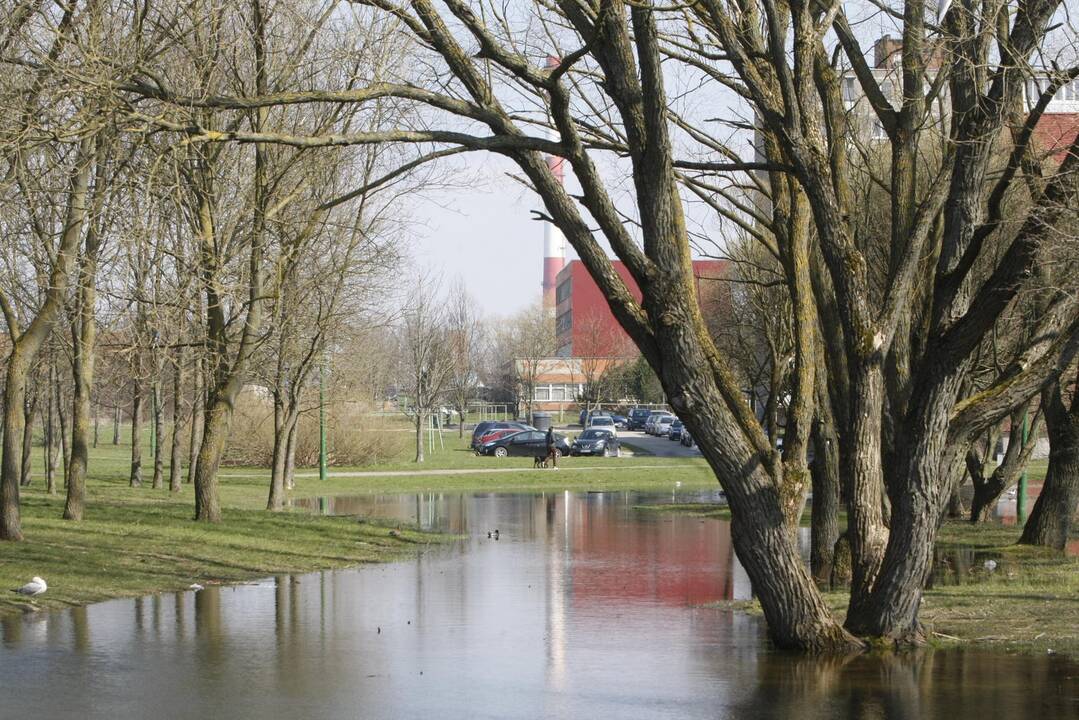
(675, 431)
(650, 422)
(603, 421)
(621, 422)
(687, 437)
(585, 416)
(527, 443)
(496, 433)
(637, 418)
(595, 441)
(487, 426)
(662, 425)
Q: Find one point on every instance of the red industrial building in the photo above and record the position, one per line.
(583, 320)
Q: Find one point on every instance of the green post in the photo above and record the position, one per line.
(1021, 495)
(322, 421)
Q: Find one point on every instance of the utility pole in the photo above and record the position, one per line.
(1021, 495)
(322, 419)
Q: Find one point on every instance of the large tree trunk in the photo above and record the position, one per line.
(65, 447)
(215, 435)
(420, 418)
(280, 449)
(175, 453)
(50, 445)
(25, 346)
(83, 355)
(928, 467)
(29, 407)
(198, 403)
(158, 420)
(14, 419)
(862, 465)
(1051, 518)
(824, 522)
(84, 331)
(116, 425)
(136, 435)
(290, 451)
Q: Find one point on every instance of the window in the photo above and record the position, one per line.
(1070, 92)
(564, 322)
(558, 392)
(850, 90)
(543, 392)
(563, 291)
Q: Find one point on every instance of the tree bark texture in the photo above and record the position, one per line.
(824, 520)
(420, 427)
(135, 478)
(52, 434)
(276, 499)
(1054, 511)
(65, 447)
(25, 346)
(198, 403)
(29, 410)
(158, 420)
(175, 449)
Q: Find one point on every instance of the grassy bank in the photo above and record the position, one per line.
(1028, 602)
(135, 542)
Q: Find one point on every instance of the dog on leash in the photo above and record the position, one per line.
(540, 461)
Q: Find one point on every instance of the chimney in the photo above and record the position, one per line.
(554, 242)
(887, 52)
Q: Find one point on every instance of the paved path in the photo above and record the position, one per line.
(567, 465)
(658, 446)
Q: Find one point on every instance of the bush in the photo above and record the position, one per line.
(355, 436)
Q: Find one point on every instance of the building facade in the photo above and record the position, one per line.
(583, 319)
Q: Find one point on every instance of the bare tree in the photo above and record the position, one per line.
(532, 342)
(426, 360)
(465, 342)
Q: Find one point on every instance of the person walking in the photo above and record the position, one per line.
(552, 454)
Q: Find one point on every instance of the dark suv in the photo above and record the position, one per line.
(637, 416)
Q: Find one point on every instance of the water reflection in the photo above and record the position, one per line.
(585, 607)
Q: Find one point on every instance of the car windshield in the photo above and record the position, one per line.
(602, 421)
(594, 434)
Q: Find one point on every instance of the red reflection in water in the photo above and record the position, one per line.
(676, 561)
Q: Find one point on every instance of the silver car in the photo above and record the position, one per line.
(662, 425)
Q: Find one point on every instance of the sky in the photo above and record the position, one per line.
(483, 232)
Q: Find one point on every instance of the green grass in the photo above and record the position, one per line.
(135, 542)
(1029, 603)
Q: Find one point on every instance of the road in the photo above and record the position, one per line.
(658, 446)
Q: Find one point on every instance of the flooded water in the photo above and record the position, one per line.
(584, 607)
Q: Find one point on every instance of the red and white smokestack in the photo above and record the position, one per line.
(554, 242)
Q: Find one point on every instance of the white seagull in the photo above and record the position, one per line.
(36, 586)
